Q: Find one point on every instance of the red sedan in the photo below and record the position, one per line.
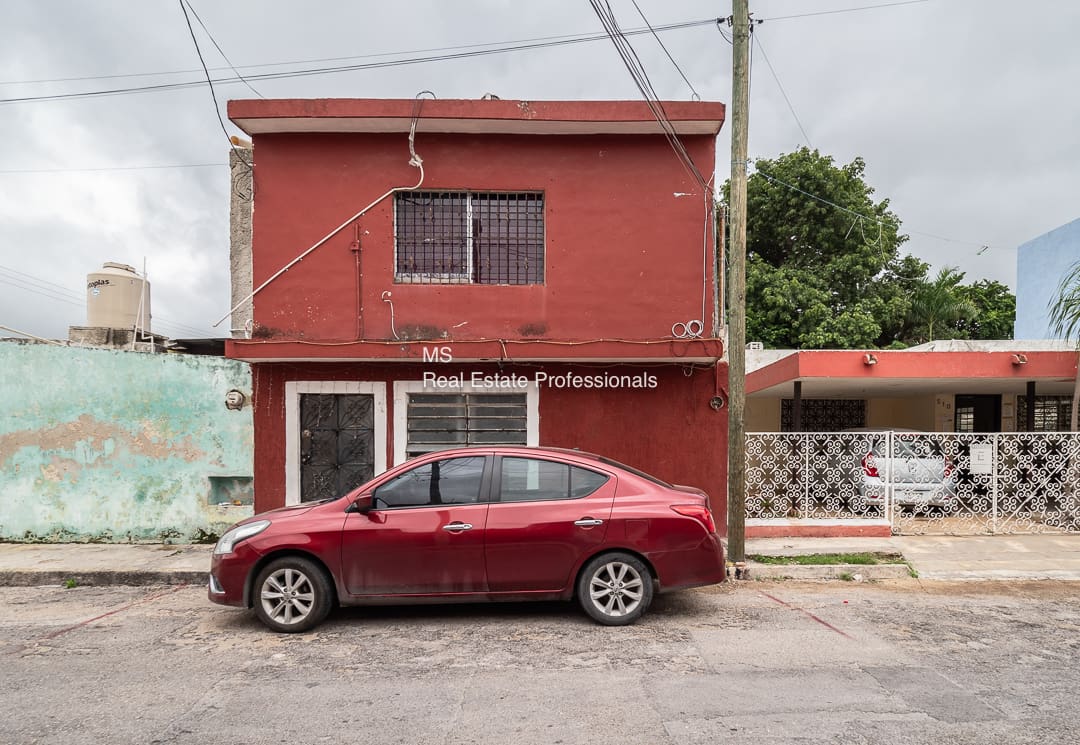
(475, 524)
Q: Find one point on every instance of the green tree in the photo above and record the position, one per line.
(1065, 322)
(995, 307)
(940, 304)
(818, 275)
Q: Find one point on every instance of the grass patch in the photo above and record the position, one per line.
(866, 557)
(70, 583)
(846, 576)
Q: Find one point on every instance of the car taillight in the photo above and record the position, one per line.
(699, 512)
(869, 467)
(948, 466)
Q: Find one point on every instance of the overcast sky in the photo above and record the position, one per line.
(966, 112)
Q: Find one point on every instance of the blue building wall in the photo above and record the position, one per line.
(1040, 265)
(103, 445)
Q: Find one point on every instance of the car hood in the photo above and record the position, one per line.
(294, 510)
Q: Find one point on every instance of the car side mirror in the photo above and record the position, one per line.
(361, 505)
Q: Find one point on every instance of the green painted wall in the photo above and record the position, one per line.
(117, 446)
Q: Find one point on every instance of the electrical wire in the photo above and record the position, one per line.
(641, 80)
(414, 160)
(845, 10)
(54, 291)
(221, 51)
(54, 342)
(861, 216)
(210, 83)
(346, 68)
(720, 27)
(644, 85)
(566, 38)
(783, 92)
(662, 46)
(114, 168)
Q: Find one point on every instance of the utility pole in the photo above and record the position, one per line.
(736, 294)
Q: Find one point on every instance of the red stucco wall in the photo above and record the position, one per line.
(625, 256)
(669, 431)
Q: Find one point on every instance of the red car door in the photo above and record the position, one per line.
(544, 515)
(424, 534)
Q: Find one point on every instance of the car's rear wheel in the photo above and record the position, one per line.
(615, 589)
(292, 594)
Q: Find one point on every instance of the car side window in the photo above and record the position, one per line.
(533, 480)
(450, 481)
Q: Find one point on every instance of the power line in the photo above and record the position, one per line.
(63, 294)
(220, 50)
(783, 92)
(565, 38)
(661, 43)
(845, 10)
(345, 68)
(210, 83)
(640, 77)
(114, 168)
(861, 216)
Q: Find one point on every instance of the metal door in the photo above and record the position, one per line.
(337, 443)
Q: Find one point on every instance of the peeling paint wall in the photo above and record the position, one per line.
(117, 446)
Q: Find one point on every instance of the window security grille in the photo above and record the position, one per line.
(1052, 413)
(469, 237)
(438, 421)
(824, 414)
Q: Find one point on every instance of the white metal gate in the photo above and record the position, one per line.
(918, 482)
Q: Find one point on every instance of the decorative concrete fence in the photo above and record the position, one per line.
(915, 482)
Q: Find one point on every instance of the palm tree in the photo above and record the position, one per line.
(1065, 322)
(937, 303)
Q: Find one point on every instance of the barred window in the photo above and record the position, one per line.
(491, 238)
(824, 414)
(1052, 413)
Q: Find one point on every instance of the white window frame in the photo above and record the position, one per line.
(293, 390)
(402, 389)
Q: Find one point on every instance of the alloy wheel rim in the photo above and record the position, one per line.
(616, 589)
(288, 596)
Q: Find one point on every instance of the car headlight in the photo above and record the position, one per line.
(242, 532)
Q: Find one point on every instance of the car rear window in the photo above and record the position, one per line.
(532, 480)
(634, 471)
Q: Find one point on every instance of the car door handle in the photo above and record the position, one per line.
(586, 522)
(458, 527)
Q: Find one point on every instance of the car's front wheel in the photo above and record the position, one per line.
(292, 594)
(615, 589)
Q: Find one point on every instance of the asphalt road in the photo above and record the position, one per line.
(760, 662)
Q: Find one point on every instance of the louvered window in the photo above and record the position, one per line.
(437, 421)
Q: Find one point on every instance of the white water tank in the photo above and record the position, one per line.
(116, 296)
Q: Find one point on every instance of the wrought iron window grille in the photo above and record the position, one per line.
(461, 237)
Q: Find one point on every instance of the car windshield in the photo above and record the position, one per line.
(634, 471)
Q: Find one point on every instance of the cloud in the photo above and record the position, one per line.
(966, 119)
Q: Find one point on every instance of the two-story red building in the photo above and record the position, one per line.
(539, 273)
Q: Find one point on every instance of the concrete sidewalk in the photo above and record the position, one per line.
(934, 557)
(28, 564)
(1007, 557)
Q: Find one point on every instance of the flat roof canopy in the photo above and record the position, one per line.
(471, 116)
(903, 373)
